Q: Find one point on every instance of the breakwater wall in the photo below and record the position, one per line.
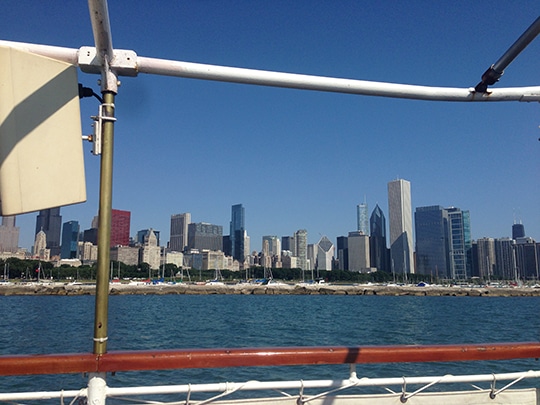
(8, 289)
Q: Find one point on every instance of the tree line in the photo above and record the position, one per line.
(26, 270)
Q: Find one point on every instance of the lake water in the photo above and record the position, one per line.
(60, 324)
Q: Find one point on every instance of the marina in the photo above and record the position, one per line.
(214, 287)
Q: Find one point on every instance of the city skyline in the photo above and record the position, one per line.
(443, 247)
(306, 159)
(185, 219)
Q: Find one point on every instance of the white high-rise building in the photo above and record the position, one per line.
(151, 252)
(325, 251)
(401, 235)
(40, 247)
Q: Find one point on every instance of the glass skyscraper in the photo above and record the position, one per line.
(377, 241)
(518, 231)
(431, 227)
(443, 242)
(238, 234)
(343, 252)
(362, 218)
(70, 240)
(459, 225)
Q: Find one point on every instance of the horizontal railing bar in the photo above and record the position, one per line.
(253, 357)
(272, 385)
(42, 395)
(288, 385)
(331, 84)
(231, 74)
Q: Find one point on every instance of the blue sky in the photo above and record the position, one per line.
(304, 159)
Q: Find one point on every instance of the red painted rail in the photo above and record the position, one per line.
(247, 357)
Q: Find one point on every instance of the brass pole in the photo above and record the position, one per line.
(104, 226)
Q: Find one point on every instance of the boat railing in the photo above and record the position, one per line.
(276, 356)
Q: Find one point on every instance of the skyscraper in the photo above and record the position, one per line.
(527, 258)
(40, 250)
(401, 242)
(460, 243)
(9, 235)
(274, 244)
(324, 254)
(237, 232)
(287, 243)
(486, 257)
(203, 235)
(179, 231)
(505, 259)
(518, 231)
(359, 259)
(120, 225)
(50, 221)
(378, 249)
(432, 256)
(150, 252)
(144, 234)
(342, 252)
(443, 242)
(70, 240)
(362, 218)
(300, 240)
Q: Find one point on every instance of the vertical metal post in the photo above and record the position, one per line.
(104, 227)
(97, 389)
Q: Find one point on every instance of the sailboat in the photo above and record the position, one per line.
(218, 279)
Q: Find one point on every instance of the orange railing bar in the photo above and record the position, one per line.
(249, 357)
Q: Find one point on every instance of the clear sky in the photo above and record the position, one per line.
(304, 159)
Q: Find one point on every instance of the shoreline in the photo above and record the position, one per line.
(62, 289)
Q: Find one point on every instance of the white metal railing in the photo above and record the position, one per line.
(328, 387)
(127, 63)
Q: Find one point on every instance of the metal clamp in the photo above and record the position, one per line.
(96, 138)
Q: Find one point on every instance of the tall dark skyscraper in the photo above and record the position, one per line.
(50, 221)
(431, 227)
(443, 242)
(343, 252)
(238, 231)
(518, 231)
(379, 253)
(205, 236)
(70, 240)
